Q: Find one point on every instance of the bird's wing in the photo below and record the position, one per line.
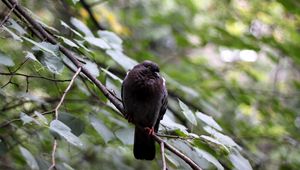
(162, 110)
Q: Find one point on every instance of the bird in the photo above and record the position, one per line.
(144, 97)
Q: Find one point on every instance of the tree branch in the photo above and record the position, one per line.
(87, 7)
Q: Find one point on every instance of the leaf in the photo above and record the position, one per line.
(112, 75)
(210, 158)
(29, 158)
(14, 36)
(50, 60)
(126, 62)
(41, 118)
(53, 63)
(92, 68)
(102, 130)
(31, 56)
(125, 135)
(215, 144)
(5, 60)
(112, 39)
(68, 42)
(189, 151)
(239, 162)
(41, 45)
(172, 125)
(172, 160)
(14, 25)
(27, 119)
(74, 123)
(67, 26)
(225, 140)
(82, 27)
(75, 1)
(65, 132)
(97, 42)
(187, 113)
(29, 96)
(208, 120)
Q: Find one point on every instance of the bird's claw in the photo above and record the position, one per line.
(150, 131)
(129, 118)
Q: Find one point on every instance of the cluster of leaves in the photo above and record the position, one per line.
(263, 122)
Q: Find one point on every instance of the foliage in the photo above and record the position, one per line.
(231, 67)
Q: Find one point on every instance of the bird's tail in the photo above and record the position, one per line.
(144, 145)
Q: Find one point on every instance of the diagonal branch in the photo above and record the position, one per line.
(70, 55)
(87, 7)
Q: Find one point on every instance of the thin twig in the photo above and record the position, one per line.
(8, 14)
(33, 76)
(162, 150)
(53, 155)
(66, 91)
(177, 152)
(56, 114)
(175, 137)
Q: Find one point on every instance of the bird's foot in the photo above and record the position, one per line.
(129, 118)
(150, 131)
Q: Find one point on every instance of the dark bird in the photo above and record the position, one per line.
(144, 96)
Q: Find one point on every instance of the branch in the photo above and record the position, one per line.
(162, 149)
(7, 16)
(66, 91)
(56, 114)
(88, 8)
(33, 76)
(70, 55)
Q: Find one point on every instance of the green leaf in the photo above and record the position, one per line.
(41, 45)
(215, 144)
(30, 56)
(68, 42)
(172, 125)
(210, 158)
(126, 62)
(41, 118)
(14, 25)
(125, 135)
(65, 132)
(97, 42)
(14, 36)
(49, 56)
(29, 158)
(208, 120)
(92, 68)
(114, 41)
(225, 140)
(82, 27)
(74, 123)
(189, 115)
(67, 26)
(238, 161)
(27, 119)
(111, 75)
(5, 60)
(102, 130)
